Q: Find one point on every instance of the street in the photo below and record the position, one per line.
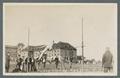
(66, 68)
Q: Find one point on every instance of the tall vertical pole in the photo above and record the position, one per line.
(28, 47)
(82, 43)
(28, 37)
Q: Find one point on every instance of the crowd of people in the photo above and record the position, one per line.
(30, 64)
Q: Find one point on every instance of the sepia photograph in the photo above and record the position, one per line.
(60, 39)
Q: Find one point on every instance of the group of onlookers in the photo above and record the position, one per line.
(30, 64)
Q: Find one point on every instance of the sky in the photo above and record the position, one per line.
(63, 23)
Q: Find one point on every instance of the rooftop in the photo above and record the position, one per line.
(63, 45)
(35, 48)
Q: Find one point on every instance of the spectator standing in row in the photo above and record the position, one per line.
(7, 64)
(19, 63)
(56, 61)
(71, 60)
(44, 62)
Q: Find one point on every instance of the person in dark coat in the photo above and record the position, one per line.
(33, 66)
(107, 60)
(30, 64)
(19, 62)
(56, 61)
(26, 64)
(7, 65)
(71, 60)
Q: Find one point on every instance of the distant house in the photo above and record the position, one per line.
(80, 59)
(62, 50)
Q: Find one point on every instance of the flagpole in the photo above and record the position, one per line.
(28, 47)
(82, 42)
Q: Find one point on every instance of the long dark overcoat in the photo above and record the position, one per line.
(107, 59)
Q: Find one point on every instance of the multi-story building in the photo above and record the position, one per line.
(62, 50)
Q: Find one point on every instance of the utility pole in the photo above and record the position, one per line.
(28, 37)
(82, 43)
(28, 47)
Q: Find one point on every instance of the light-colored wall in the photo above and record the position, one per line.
(36, 54)
(52, 53)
